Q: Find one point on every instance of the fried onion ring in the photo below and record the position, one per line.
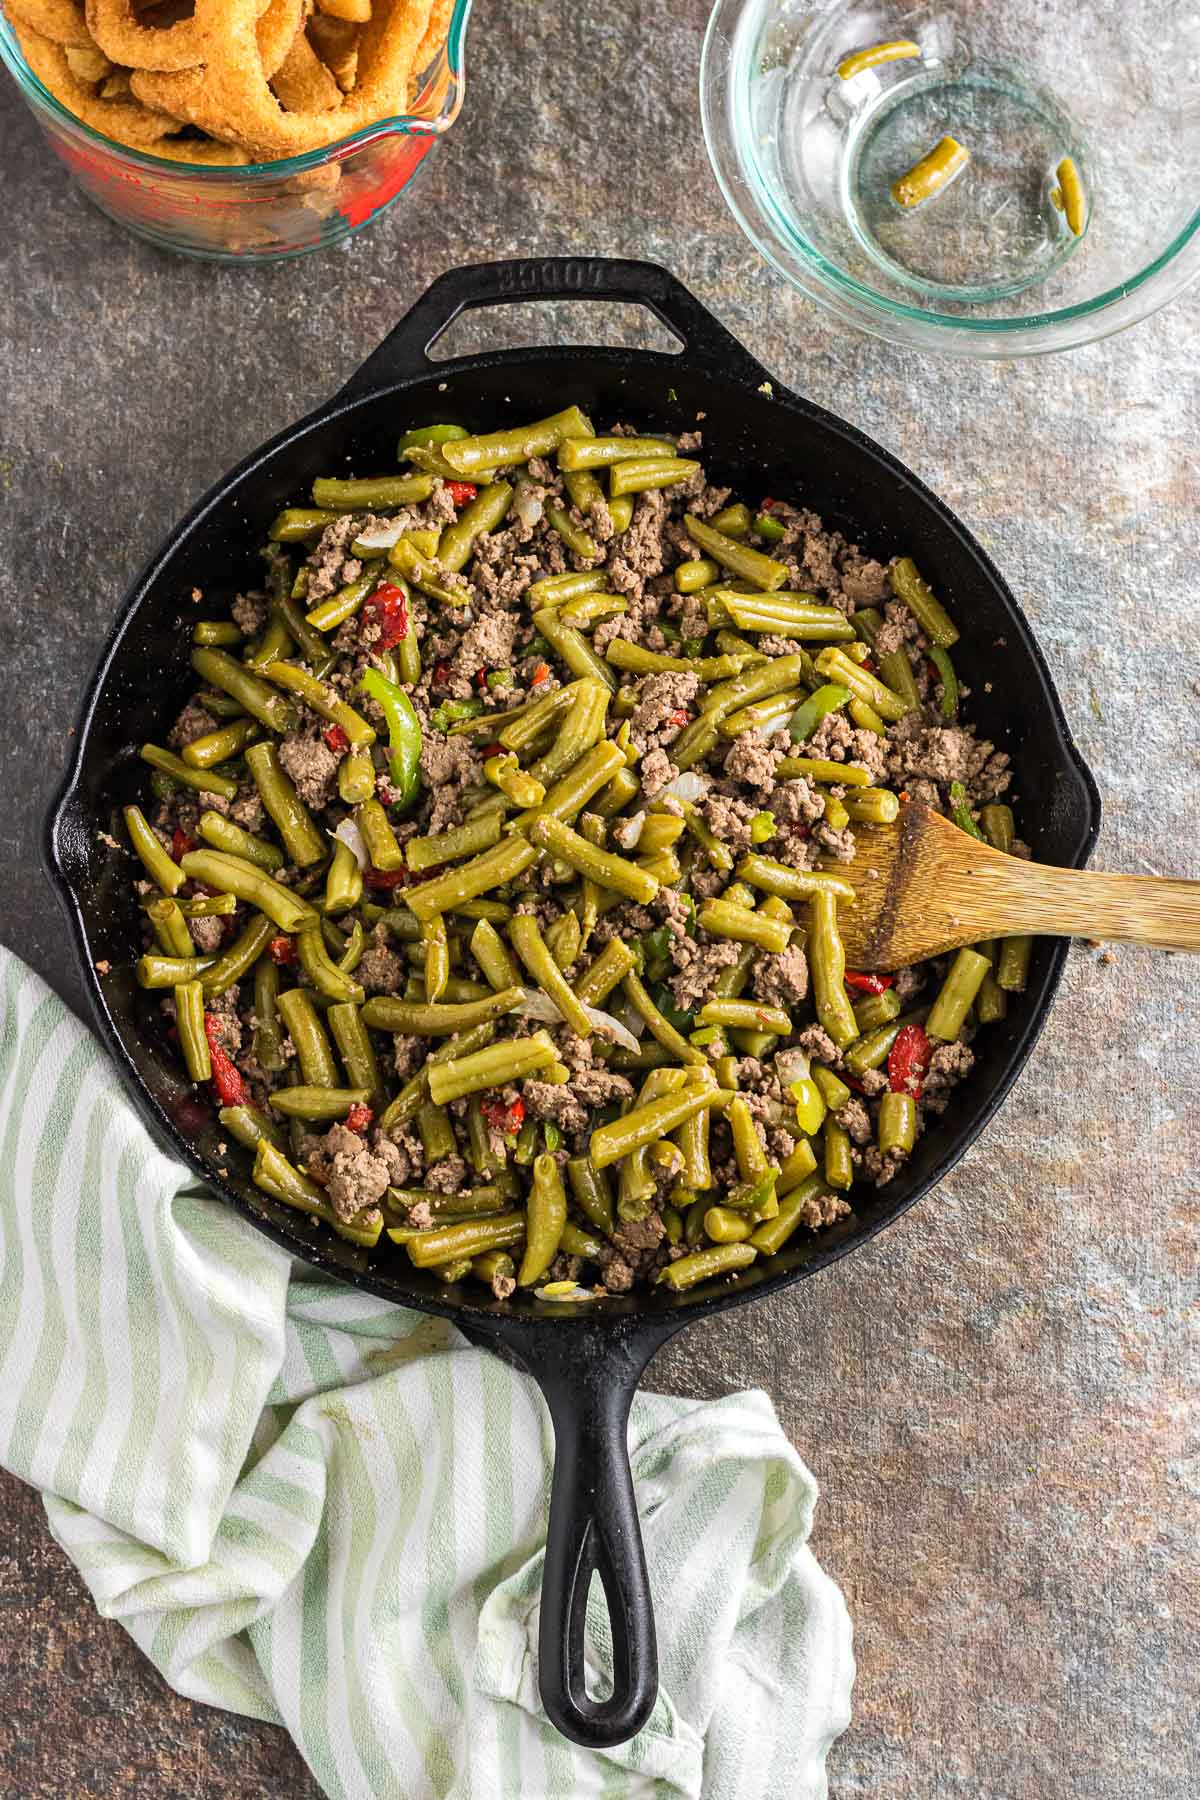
(125, 121)
(278, 27)
(436, 33)
(60, 21)
(120, 34)
(354, 12)
(302, 82)
(336, 43)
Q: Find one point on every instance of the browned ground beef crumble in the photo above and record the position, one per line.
(491, 633)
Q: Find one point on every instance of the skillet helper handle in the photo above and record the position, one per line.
(404, 353)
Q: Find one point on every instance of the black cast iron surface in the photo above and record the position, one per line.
(587, 1365)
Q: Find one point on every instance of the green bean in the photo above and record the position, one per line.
(796, 616)
(773, 1234)
(437, 959)
(948, 704)
(563, 938)
(381, 493)
(284, 1182)
(427, 436)
(491, 953)
(725, 1226)
(694, 823)
(635, 477)
(385, 1012)
(690, 577)
(204, 781)
(603, 452)
(507, 1060)
(739, 559)
(517, 444)
(239, 958)
(839, 1162)
(897, 1123)
(216, 632)
(934, 172)
(357, 1052)
(406, 1104)
(234, 875)
(584, 490)
(343, 881)
(344, 604)
(478, 833)
(601, 976)
(769, 528)
(249, 1125)
(497, 1270)
(809, 714)
(189, 1023)
(844, 671)
(601, 866)
(308, 1037)
(835, 1093)
(827, 964)
(874, 1010)
(170, 928)
(154, 971)
(261, 701)
(546, 1219)
(1012, 965)
(723, 920)
(754, 683)
(473, 1237)
(220, 745)
(324, 974)
(692, 1139)
(554, 590)
(574, 650)
(592, 1192)
(620, 511)
(317, 1103)
(991, 1003)
(922, 603)
(382, 848)
(816, 768)
(297, 522)
(872, 806)
(424, 572)
(594, 770)
(483, 514)
(582, 727)
(267, 1041)
(638, 661)
(797, 1168)
(504, 862)
(998, 827)
(760, 715)
(145, 840)
(526, 939)
(791, 884)
(302, 840)
(733, 520)
(575, 1242)
(482, 1158)
(659, 1026)
(322, 701)
(310, 645)
(436, 1132)
(866, 718)
(591, 609)
(963, 981)
(704, 1265)
(505, 773)
(275, 641)
(224, 835)
(731, 981)
(620, 789)
(648, 1123)
(752, 1015)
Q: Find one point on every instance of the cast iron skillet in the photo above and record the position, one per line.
(765, 441)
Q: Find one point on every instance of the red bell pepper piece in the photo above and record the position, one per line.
(540, 674)
(679, 717)
(505, 1118)
(181, 843)
(385, 878)
(226, 1078)
(282, 950)
(336, 738)
(441, 674)
(359, 1117)
(388, 606)
(909, 1060)
(461, 491)
(868, 984)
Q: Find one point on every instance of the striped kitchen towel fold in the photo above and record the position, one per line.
(318, 1509)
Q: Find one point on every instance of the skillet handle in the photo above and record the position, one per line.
(404, 353)
(588, 1375)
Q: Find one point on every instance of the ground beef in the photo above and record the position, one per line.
(408, 1053)
(817, 1043)
(447, 1176)
(330, 565)
(247, 810)
(662, 709)
(837, 740)
(355, 1177)
(753, 760)
(487, 644)
(864, 582)
(656, 770)
(945, 753)
(599, 1087)
(448, 765)
(381, 971)
(908, 983)
(729, 821)
(782, 980)
(312, 765)
(208, 932)
(824, 1209)
(640, 551)
(558, 1103)
(882, 1167)
(222, 1009)
(250, 613)
(192, 723)
(698, 966)
(856, 1120)
(947, 1067)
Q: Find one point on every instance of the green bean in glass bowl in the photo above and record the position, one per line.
(490, 871)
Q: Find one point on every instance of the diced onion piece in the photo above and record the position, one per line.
(348, 833)
(774, 725)
(526, 506)
(562, 1292)
(688, 786)
(539, 1006)
(627, 832)
(380, 537)
(792, 1065)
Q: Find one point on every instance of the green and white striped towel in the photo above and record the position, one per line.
(318, 1509)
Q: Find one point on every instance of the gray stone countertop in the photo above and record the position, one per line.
(997, 1396)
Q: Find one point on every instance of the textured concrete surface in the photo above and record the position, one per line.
(998, 1397)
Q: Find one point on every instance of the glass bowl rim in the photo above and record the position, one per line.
(899, 319)
(40, 97)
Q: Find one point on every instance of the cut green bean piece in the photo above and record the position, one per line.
(236, 961)
(322, 700)
(317, 1104)
(635, 477)
(827, 964)
(203, 781)
(497, 449)
(220, 745)
(740, 559)
(1012, 965)
(385, 1012)
(948, 1013)
(546, 1218)
(312, 1046)
(257, 697)
(297, 522)
(509, 1059)
(293, 821)
(236, 876)
(706, 1265)
(380, 493)
(224, 835)
(921, 601)
(160, 867)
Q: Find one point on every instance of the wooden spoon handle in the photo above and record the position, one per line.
(1134, 909)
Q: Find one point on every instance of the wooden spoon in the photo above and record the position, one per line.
(922, 887)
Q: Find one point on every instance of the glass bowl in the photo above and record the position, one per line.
(261, 210)
(807, 159)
